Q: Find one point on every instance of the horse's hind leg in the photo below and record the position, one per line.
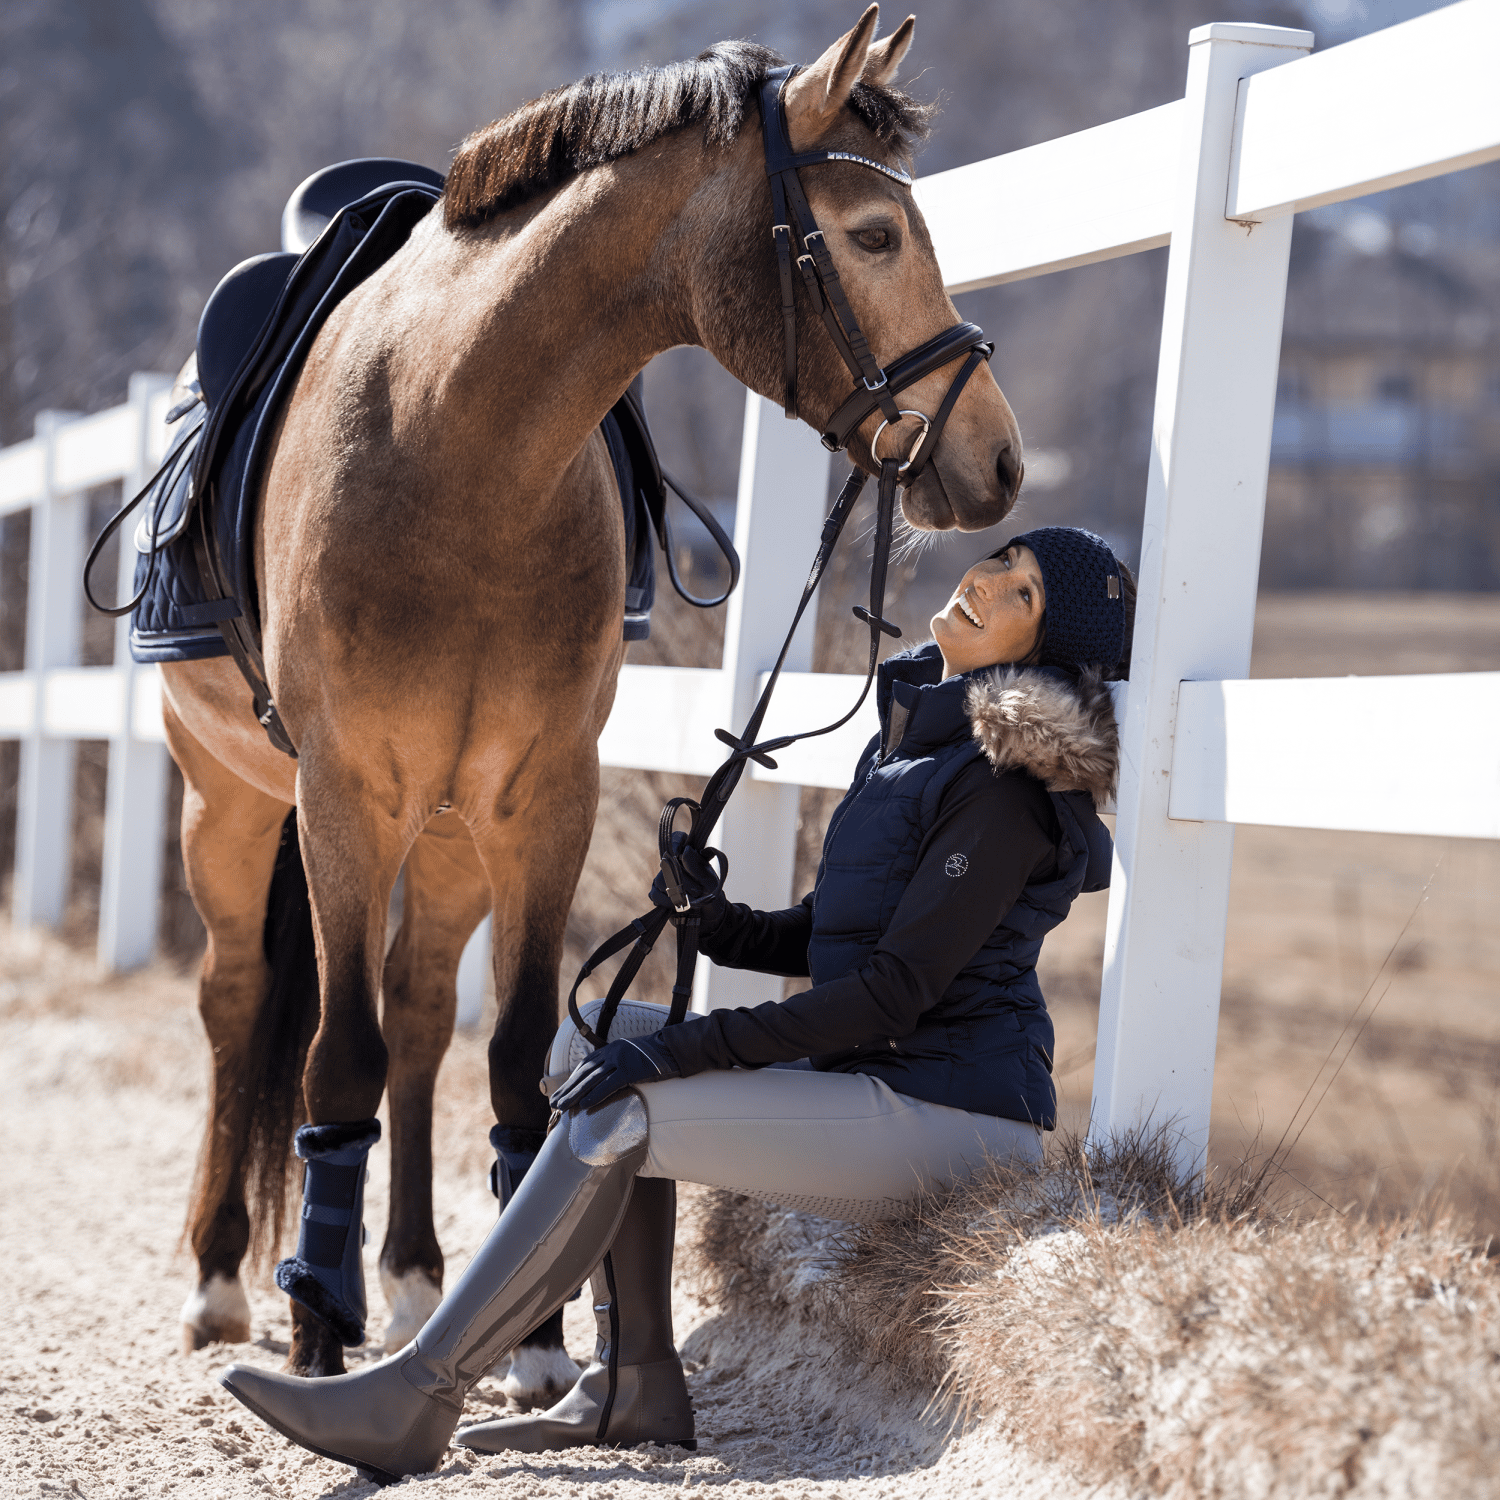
(446, 895)
(231, 833)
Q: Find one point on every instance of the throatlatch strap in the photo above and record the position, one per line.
(781, 233)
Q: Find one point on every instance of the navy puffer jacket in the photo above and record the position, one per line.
(987, 1045)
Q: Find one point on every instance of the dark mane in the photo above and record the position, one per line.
(608, 115)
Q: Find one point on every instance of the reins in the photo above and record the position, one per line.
(875, 389)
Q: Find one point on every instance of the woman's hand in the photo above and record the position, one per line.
(700, 885)
(614, 1067)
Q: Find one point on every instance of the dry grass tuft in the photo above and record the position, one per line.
(1102, 1317)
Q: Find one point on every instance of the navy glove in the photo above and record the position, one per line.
(700, 884)
(614, 1067)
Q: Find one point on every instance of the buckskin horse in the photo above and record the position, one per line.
(438, 559)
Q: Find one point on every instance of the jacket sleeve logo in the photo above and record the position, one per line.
(956, 865)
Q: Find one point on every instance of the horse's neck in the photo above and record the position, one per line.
(548, 313)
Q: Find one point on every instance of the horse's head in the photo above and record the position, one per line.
(884, 260)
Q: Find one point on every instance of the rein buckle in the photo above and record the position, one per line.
(671, 875)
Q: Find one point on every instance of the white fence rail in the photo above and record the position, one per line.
(1264, 130)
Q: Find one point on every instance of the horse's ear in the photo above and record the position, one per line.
(885, 56)
(818, 93)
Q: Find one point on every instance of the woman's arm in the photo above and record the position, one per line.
(996, 831)
(770, 942)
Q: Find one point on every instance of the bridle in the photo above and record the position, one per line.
(875, 389)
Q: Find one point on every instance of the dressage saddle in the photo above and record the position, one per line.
(195, 593)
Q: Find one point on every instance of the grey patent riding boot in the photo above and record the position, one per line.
(396, 1417)
(634, 1391)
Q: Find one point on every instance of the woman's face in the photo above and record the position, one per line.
(994, 614)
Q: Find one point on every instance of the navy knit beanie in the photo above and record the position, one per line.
(1085, 613)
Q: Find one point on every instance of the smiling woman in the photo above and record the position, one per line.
(999, 610)
(995, 613)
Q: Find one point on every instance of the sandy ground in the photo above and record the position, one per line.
(101, 1104)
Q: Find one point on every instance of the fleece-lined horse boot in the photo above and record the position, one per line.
(515, 1151)
(634, 1391)
(327, 1274)
(395, 1417)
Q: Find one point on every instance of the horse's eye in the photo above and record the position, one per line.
(874, 239)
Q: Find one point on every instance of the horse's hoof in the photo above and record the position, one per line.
(314, 1364)
(538, 1377)
(216, 1312)
(316, 1350)
(412, 1297)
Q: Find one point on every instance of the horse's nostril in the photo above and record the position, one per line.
(1009, 469)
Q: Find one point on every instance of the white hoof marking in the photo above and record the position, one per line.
(412, 1299)
(537, 1377)
(216, 1310)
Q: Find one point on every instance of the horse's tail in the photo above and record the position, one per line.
(283, 1031)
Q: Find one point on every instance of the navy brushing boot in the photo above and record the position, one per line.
(327, 1274)
(515, 1150)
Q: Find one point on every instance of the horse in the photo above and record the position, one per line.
(440, 574)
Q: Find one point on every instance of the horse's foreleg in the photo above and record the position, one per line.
(534, 859)
(230, 836)
(353, 841)
(445, 897)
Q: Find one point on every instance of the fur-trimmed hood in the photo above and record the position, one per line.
(1063, 733)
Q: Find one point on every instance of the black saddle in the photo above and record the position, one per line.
(196, 594)
(312, 207)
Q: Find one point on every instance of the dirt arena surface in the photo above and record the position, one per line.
(101, 1103)
(102, 1098)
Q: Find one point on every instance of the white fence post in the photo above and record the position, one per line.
(475, 969)
(44, 802)
(1200, 556)
(783, 500)
(130, 880)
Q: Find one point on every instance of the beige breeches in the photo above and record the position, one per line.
(840, 1145)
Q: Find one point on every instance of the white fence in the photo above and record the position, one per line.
(1263, 131)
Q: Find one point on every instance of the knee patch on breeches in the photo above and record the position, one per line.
(601, 1136)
